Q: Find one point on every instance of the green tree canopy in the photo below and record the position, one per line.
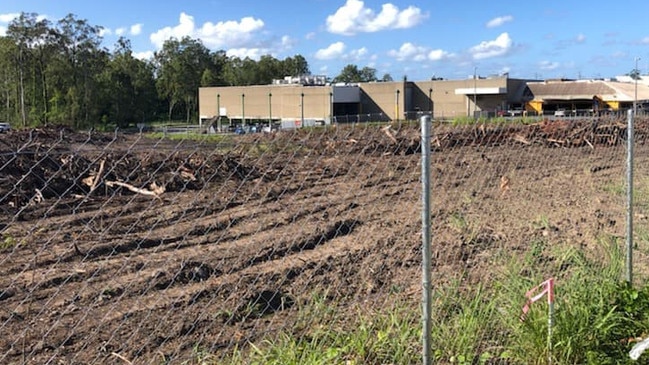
(351, 73)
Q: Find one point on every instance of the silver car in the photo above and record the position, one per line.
(4, 127)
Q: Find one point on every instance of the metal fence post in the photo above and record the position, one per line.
(426, 237)
(629, 197)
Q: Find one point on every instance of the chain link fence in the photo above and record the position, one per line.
(147, 249)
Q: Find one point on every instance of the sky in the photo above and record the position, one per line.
(417, 39)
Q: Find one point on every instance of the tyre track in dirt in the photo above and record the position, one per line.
(256, 264)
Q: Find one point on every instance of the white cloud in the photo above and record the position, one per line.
(357, 54)
(228, 33)
(439, 54)
(3, 31)
(496, 22)
(310, 36)
(412, 52)
(645, 40)
(120, 31)
(104, 32)
(252, 53)
(580, 38)
(487, 49)
(287, 42)
(547, 65)
(409, 51)
(335, 50)
(146, 55)
(136, 29)
(8, 17)
(354, 17)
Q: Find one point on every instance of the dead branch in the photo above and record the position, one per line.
(95, 181)
(521, 139)
(127, 361)
(38, 197)
(504, 185)
(156, 189)
(388, 133)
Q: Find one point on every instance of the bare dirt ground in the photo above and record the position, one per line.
(246, 231)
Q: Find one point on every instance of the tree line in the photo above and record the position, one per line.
(59, 73)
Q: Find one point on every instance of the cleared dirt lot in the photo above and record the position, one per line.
(89, 268)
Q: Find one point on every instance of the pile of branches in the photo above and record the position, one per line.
(550, 133)
(41, 169)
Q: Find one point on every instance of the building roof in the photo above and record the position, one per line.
(587, 89)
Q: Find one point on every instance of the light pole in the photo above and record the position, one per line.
(218, 112)
(430, 101)
(302, 109)
(396, 104)
(636, 75)
(270, 112)
(475, 93)
(243, 109)
(331, 107)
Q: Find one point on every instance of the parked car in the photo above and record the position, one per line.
(239, 130)
(4, 127)
(560, 113)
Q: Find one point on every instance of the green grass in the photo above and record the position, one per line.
(618, 188)
(595, 315)
(7, 242)
(215, 138)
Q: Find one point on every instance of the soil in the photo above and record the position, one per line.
(246, 231)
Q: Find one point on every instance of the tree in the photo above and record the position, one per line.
(294, 66)
(8, 78)
(386, 78)
(181, 65)
(130, 87)
(351, 73)
(268, 68)
(634, 74)
(80, 62)
(213, 74)
(31, 36)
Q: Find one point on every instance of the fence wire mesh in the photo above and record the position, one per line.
(142, 248)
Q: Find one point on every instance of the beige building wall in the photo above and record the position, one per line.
(387, 98)
(447, 104)
(265, 101)
(394, 100)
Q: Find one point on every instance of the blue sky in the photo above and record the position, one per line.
(414, 38)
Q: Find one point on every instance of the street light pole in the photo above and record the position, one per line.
(302, 108)
(243, 109)
(218, 112)
(270, 112)
(475, 93)
(331, 107)
(636, 75)
(396, 104)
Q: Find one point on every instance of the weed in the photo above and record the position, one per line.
(543, 222)
(595, 315)
(7, 242)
